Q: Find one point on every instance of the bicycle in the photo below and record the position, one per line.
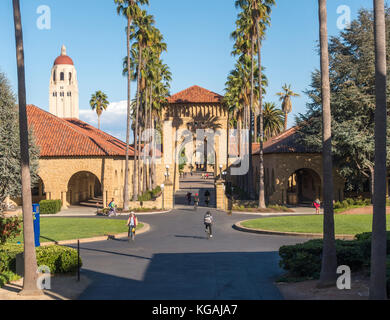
(131, 233)
(208, 231)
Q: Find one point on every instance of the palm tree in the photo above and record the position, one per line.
(143, 34)
(273, 120)
(378, 250)
(329, 258)
(30, 260)
(285, 97)
(129, 9)
(99, 103)
(261, 10)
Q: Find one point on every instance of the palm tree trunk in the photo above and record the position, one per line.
(262, 204)
(285, 121)
(150, 138)
(250, 115)
(98, 122)
(136, 159)
(378, 250)
(329, 258)
(128, 128)
(30, 261)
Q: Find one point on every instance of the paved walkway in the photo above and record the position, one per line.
(176, 261)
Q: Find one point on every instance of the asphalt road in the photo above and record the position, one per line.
(176, 261)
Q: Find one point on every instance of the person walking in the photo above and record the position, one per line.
(132, 224)
(317, 205)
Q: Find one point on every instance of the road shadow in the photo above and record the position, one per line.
(191, 276)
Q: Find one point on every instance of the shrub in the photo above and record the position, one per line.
(9, 228)
(50, 206)
(365, 239)
(304, 260)
(59, 259)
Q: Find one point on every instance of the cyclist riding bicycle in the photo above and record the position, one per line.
(207, 198)
(189, 197)
(196, 200)
(208, 222)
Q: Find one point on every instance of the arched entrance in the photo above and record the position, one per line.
(83, 186)
(304, 186)
(38, 191)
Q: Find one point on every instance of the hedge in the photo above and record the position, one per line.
(59, 259)
(303, 261)
(50, 206)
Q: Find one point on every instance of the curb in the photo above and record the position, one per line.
(144, 229)
(273, 214)
(74, 215)
(239, 227)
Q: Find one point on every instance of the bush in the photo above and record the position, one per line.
(365, 239)
(9, 228)
(59, 259)
(50, 206)
(304, 260)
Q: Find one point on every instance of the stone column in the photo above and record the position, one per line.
(168, 195)
(221, 199)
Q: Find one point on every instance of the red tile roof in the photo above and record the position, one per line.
(195, 94)
(286, 142)
(58, 137)
(63, 60)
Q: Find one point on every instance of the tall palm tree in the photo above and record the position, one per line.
(378, 251)
(329, 258)
(129, 9)
(285, 97)
(30, 260)
(99, 103)
(261, 10)
(273, 120)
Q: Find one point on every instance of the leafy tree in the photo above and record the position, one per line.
(352, 85)
(10, 179)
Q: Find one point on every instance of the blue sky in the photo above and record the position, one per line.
(199, 47)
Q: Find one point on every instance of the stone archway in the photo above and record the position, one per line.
(304, 186)
(83, 186)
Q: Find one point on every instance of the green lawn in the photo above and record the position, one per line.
(59, 229)
(345, 224)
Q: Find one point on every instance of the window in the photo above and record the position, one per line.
(70, 77)
(69, 94)
(62, 76)
(54, 76)
(62, 94)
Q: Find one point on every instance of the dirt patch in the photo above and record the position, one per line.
(364, 210)
(307, 290)
(62, 288)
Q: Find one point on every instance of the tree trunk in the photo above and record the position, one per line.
(135, 193)
(285, 121)
(30, 261)
(379, 242)
(262, 204)
(250, 115)
(128, 128)
(329, 258)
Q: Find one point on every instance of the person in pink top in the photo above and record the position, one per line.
(317, 205)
